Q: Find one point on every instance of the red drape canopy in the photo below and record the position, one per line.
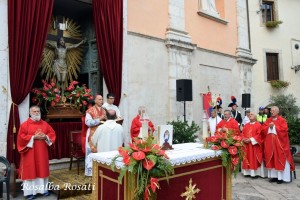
(28, 23)
(108, 21)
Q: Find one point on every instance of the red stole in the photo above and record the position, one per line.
(95, 112)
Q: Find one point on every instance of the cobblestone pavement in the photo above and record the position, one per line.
(261, 189)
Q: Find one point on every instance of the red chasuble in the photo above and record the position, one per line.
(277, 147)
(95, 112)
(253, 153)
(34, 161)
(136, 125)
(230, 124)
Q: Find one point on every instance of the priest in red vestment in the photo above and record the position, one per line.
(252, 164)
(34, 138)
(278, 158)
(228, 123)
(93, 118)
(136, 123)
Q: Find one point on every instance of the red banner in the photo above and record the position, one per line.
(207, 103)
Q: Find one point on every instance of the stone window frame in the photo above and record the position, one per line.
(206, 14)
(280, 63)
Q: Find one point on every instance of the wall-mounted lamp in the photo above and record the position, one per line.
(296, 68)
(260, 9)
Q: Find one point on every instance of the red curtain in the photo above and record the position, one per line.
(61, 147)
(108, 21)
(28, 23)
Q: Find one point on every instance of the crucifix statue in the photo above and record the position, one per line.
(61, 61)
(60, 67)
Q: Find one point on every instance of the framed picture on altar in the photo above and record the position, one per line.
(165, 136)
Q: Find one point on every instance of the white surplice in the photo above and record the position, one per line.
(109, 136)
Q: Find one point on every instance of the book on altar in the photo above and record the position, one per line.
(165, 135)
(144, 130)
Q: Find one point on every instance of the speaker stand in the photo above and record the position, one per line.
(184, 117)
(245, 111)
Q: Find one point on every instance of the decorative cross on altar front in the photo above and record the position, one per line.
(190, 192)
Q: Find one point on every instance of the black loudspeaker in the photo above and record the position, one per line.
(184, 90)
(246, 100)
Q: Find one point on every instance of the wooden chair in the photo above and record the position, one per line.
(5, 177)
(76, 150)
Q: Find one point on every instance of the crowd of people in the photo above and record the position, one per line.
(102, 131)
(265, 137)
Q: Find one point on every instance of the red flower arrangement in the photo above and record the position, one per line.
(78, 95)
(148, 162)
(230, 143)
(49, 94)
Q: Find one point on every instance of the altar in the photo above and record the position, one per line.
(193, 165)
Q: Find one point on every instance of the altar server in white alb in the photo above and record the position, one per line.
(109, 105)
(213, 121)
(109, 136)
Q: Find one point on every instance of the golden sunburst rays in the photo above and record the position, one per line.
(74, 56)
(47, 63)
(74, 59)
(74, 30)
(190, 192)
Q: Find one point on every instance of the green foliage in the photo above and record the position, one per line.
(278, 84)
(294, 130)
(230, 144)
(183, 132)
(145, 160)
(286, 104)
(273, 24)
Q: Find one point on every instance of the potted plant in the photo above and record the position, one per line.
(183, 132)
(273, 24)
(279, 84)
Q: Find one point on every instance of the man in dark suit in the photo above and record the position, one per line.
(234, 112)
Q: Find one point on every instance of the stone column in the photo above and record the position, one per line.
(4, 77)
(180, 50)
(243, 52)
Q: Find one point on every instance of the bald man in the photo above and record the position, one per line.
(253, 160)
(109, 136)
(93, 118)
(278, 158)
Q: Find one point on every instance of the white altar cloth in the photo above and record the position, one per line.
(181, 154)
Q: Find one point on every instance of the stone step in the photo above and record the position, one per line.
(63, 163)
